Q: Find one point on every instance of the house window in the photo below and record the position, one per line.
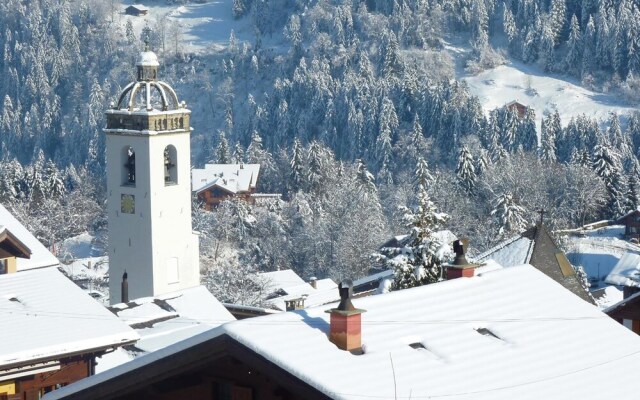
(170, 166)
(129, 166)
(3, 266)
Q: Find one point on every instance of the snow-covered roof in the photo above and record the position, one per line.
(233, 178)
(487, 337)
(288, 285)
(282, 279)
(166, 319)
(45, 316)
(535, 246)
(139, 7)
(40, 256)
(626, 272)
(514, 251)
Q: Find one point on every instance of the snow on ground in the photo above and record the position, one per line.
(200, 27)
(531, 86)
(598, 251)
(83, 261)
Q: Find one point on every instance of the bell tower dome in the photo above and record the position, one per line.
(149, 191)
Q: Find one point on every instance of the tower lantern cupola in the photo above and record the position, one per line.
(147, 65)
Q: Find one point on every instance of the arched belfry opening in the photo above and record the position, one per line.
(129, 166)
(170, 166)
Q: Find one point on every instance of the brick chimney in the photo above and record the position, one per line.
(461, 268)
(346, 323)
(313, 281)
(295, 304)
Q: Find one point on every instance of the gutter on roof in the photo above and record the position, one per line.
(55, 357)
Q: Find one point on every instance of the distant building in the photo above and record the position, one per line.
(216, 183)
(51, 333)
(627, 311)
(512, 333)
(631, 222)
(517, 107)
(136, 10)
(535, 246)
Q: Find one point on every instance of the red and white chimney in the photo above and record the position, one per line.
(346, 321)
(461, 268)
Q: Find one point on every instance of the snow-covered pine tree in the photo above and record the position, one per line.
(419, 261)
(632, 201)
(222, 151)
(606, 164)
(364, 180)
(238, 154)
(573, 57)
(465, 171)
(296, 176)
(422, 174)
(527, 133)
(547, 142)
(508, 216)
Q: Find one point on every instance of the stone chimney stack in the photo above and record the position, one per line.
(124, 290)
(313, 281)
(461, 268)
(346, 322)
(295, 304)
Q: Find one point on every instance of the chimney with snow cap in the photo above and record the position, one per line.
(346, 323)
(461, 268)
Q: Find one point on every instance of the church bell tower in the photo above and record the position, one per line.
(149, 188)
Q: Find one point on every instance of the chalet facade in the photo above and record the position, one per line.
(631, 222)
(45, 345)
(517, 107)
(216, 183)
(10, 249)
(627, 312)
(137, 10)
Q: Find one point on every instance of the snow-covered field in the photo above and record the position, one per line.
(198, 27)
(531, 86)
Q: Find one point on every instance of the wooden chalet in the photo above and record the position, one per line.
(19, 249)
(137, 10)
(519, 108)
(10, 249)
(627, 312)
(52, 333)
(631, 222)
(216, 183)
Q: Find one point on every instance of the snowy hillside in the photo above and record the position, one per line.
(200, 27)
(543, 92)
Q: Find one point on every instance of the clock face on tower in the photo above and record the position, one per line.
(128, 204)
